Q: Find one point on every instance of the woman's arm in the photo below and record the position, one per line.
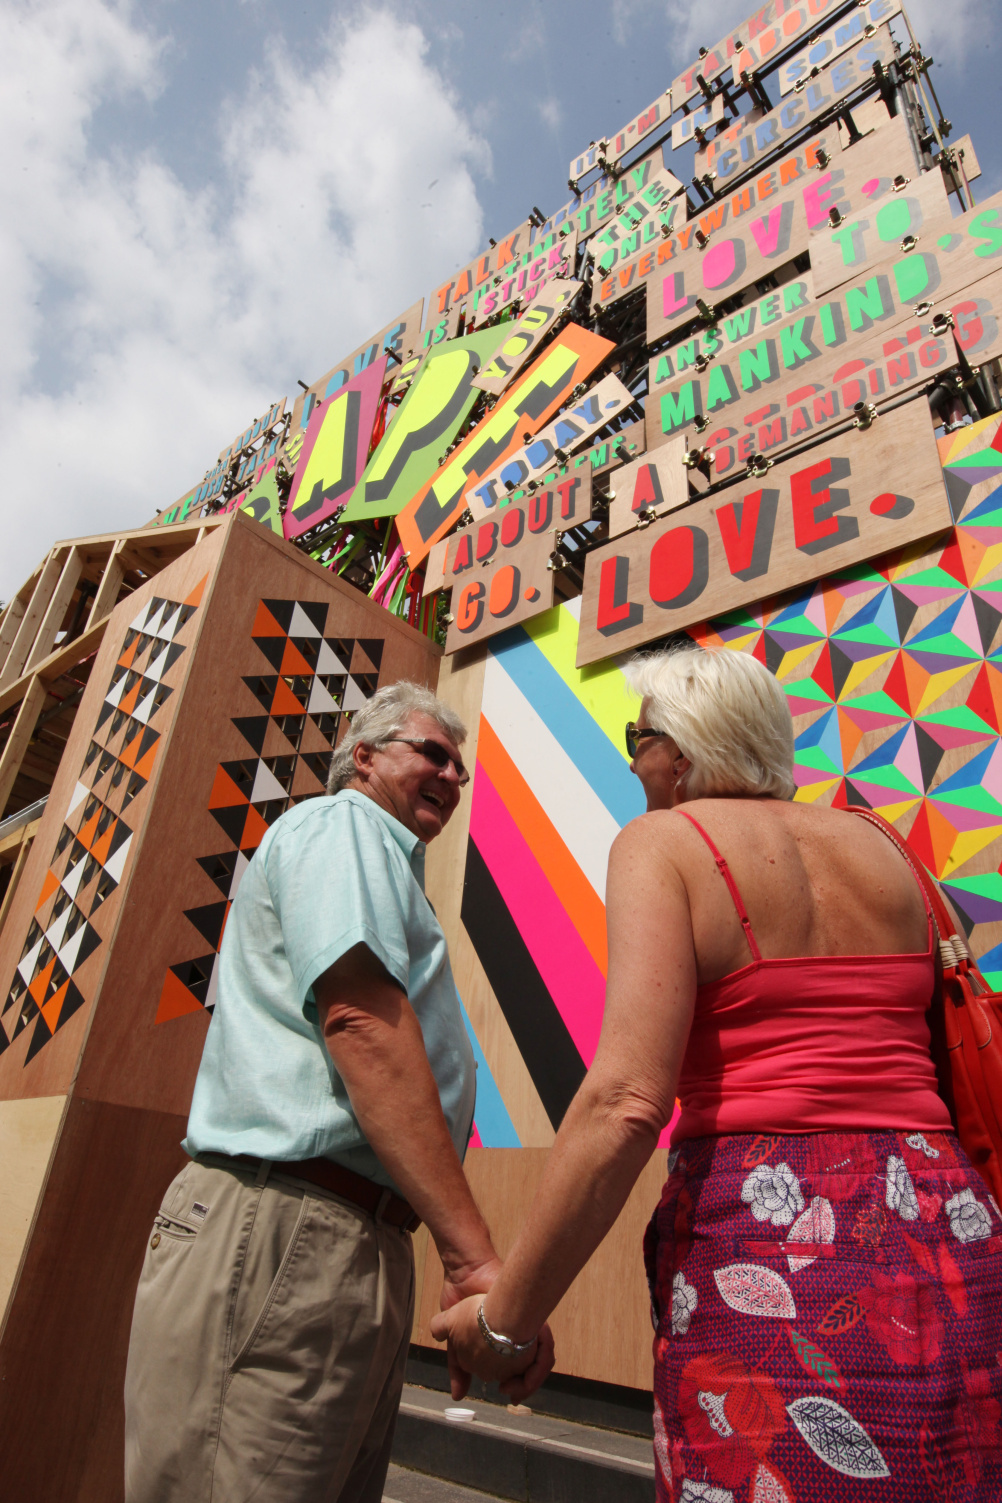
(613, 1123)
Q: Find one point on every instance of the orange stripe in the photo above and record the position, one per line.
(579, 899)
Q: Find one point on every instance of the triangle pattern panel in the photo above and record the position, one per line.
(96, 838)
(301, 683)
(893, 672)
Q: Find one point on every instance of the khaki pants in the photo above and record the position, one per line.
(268, 1345)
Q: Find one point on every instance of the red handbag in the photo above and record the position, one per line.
(966, 1031)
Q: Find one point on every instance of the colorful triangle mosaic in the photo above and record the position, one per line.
(894, 677)
(96, 837)
(315, 679)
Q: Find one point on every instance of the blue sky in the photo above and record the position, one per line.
(206, 199)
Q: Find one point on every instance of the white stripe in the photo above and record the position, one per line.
(578, 815)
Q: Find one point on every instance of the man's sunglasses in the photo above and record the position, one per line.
(437, 755)
(634, 736)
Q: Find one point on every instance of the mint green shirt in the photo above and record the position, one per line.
(330, 874)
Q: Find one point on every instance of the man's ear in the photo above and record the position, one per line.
(362, 755)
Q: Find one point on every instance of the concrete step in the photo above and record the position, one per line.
(517, 1454)
(404, 1486)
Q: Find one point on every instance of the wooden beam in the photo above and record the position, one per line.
(10, 844)
(15, 875)
(107, 590)
(155, 536)
(41, 598)
(56, 613)
(56, 663)
(12, 618)
(21, 732)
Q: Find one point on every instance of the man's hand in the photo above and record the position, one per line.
(469, 1355)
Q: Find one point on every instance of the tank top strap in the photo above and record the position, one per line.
(732, 886)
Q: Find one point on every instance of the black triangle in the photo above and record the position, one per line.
(106, 711)
(904, 611)
(88, 945)
(209, 921)
(774, 653)
(373, 649)
(316, 611)
(319, 764)
(4, 1040)
(958, 493)
(118, 839)
(930, 755)
(74, 1001)
(273, 649)
(282, 612)
(253, 728)
(39, 1038)
(342, 648)
(854, 797)
(841, 668)
(262, 686)
(150, 738)
(196, 975)
(231, 820)
(988, 619)
(174, 651)
(219, 869)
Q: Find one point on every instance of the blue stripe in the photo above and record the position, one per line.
(563, 714)
(494, 1125)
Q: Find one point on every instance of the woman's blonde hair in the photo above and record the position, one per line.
(725, 712)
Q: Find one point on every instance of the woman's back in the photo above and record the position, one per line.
(814, 882)
(814, 970)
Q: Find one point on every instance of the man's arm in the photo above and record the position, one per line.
(375, 1041)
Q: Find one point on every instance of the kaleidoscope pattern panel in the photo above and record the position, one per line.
(105, 809)
(304, 681)
(894, 676)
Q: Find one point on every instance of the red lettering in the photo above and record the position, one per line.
(470, 607)
(512, 527)
(505, 590)
(464, 554)
(567, 490)
(615, 610)
(487, 540)
(647, 491)
(540, 510)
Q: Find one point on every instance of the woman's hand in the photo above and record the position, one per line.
(470, 1355)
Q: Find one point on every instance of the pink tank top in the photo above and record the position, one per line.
(812, 1043)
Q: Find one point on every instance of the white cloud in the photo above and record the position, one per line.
(143, 322)
(550, 113)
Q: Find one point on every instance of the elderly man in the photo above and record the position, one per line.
(332, 1109)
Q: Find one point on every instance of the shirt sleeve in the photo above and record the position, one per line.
(336, 881)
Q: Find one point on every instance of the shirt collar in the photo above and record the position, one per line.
(412, 847)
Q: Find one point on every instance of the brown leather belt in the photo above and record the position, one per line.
(379, 1202)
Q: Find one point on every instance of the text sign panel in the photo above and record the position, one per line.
(654, 483)
(819, 51)
(788, 22)
(334, 450)
(921, 210)
(811, 516)
(526, 335)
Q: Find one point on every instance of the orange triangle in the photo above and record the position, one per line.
(285, 702)
(125, 661)
(50, 1012)
(48, 888)
(850, 736)
(834, 600)
(225, 792)
(195, 598)
(128, 752)
(255, 830)
(128, 701)
(145, 767)
(102, 846)
(265, 624)
(88, 831)
(37, 986)
(294, 662)
(176, 1000)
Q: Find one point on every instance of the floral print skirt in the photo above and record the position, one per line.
(828, 1317)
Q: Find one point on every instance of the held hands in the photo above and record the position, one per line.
(470, 1355)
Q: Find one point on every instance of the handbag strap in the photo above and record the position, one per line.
(952, 946)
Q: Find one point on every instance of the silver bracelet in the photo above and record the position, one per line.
(505, 1346)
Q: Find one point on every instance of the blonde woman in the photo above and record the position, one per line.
(824, 1264)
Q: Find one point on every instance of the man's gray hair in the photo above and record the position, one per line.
(385, 716)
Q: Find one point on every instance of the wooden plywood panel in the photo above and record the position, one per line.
(820, 49)
(512, 584)
(63, 1349)
(238, 751)
(919, 212)
(602, 1326)
(28, 1132)
(401, 336)
(787, 23)
(610, 150)
(62, 923)
(542, 315)
(805, 518)
(785, 406)
(647, 487)
(753, 230)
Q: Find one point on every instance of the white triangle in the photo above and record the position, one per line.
(26, 968)
(116, 691)
(73, 878)
(57, 929)
(328, 660)
(266, 786)
(151, 626)
(68, 954)
(116, 864)
(322, 701)
(139, 623)
(243, 862)
(170, 623)
(77, 797)
(144, 709)
(354, 698)
(301, 625)
(155, 668)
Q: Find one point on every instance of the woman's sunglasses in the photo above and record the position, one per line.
(437, 755)
(634, 736)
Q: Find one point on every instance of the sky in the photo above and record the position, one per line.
(206, 200)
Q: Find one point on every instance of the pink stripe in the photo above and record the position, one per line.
(572, 978)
